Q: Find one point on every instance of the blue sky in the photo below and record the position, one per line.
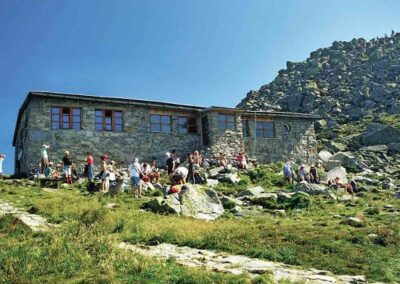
(208, 52)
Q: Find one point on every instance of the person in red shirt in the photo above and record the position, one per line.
(89, 166)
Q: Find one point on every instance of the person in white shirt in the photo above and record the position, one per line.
(1, 165)
(135, 172)
(44, 163)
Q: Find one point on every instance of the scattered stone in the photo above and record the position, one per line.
(111, 205)
(252, 191)
(230, 202)
(266, 200)
(366, 180)
(212, 182)
(396, 195)
(388, 207)
(30, 183)
(283, 196)
(388, 185)
(232, 178)
(374, 238)
(354, 222)
(216, 171)
(147, 186)
(375, 149)
(158, 186)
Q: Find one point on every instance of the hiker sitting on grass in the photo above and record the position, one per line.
(336, 183)
(314, 177)
(303, 174)
(135, 172)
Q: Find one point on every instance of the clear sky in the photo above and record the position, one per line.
(205, 52)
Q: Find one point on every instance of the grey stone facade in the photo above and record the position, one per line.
(136, 140)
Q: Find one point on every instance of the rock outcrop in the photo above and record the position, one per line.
(354, 86)
(191, 201)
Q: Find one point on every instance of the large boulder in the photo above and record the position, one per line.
(192, 201)
(379, 134)
(232, 178)
(332, 164)
(216, 171)
(347, 160)
(324, 156)
(310, 188)
(338, 172)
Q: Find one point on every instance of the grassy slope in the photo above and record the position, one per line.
(83, 247)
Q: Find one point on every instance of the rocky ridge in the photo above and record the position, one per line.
(355, 87)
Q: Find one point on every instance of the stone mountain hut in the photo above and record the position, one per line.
(123, 128)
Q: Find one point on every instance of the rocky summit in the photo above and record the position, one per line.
(355, 88)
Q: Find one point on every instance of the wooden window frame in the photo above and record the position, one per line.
(103, 123)
(246, 128)
(160, 124)
(225, 122)
(265, 130)
(71, 120)
(188, 125)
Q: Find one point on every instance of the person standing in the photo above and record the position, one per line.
(67, 163)
(191, 169)
(288, 172)
(104, 174)
(2, 157)
(89, 166)
(44, 162)
(135, 172)
(169, 163)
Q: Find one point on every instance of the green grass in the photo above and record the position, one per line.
(82, 250)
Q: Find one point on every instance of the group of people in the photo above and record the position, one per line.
(312, 176)
(302, 174)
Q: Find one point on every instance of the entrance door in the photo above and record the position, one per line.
(205, 130)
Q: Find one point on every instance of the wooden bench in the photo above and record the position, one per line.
(42, 181)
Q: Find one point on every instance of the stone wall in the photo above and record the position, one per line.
(228, 142)
(298, 143)
(135, 141)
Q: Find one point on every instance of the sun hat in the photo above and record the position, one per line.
(67, 153)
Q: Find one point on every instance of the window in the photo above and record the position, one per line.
(160, 123)
(65, 118)
(226, 122)
(265, 129)
(187, 125)
(246, 128)
(108, 120)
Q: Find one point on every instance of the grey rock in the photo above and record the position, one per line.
(193, 202)
(375, 149)
(216, 171)
(378, 134)
(347, 160)
(388, 185)
(338, 172)
(354, 222)
(232, 178)
(396, 195)
(310, 188)
(324, 156)
(252, 191)
(332, 164)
